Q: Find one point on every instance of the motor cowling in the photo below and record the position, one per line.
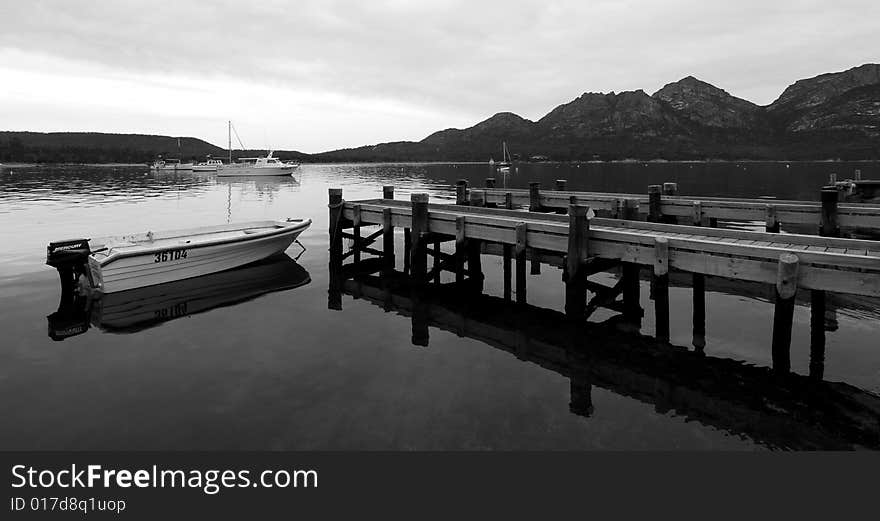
(70, 253)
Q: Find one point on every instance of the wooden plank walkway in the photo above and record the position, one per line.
(734, 396)
(864, 217)
(848, 266)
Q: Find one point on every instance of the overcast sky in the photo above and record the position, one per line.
(321, 75)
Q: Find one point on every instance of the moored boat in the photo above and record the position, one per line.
(257, 166)
(126, 262)
(211, 165)
(173, 165)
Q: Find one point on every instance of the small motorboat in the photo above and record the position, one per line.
(112, 264)
(170, 165)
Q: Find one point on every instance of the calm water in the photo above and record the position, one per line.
(256, 360)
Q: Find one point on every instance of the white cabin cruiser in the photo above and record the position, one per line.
(126, 262)
(257, 166)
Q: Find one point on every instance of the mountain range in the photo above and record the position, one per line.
(833, 115)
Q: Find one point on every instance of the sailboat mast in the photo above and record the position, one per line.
(230, 141)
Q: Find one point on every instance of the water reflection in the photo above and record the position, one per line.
(777, 410)
(142, 308)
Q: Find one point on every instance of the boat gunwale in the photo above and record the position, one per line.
(284, 227)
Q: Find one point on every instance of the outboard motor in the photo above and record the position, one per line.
(71, 259)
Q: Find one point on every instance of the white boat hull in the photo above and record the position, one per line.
(248, 171)
(186, 260)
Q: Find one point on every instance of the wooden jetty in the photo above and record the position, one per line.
(584, 245)
(662, 203)
(780, 410)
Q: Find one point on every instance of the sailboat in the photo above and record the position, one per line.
(255, 166)
(504, 164)
(171, 164)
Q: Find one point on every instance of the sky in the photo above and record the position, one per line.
(321, 75)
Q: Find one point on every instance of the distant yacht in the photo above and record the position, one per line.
(504, 164)
(173, 165)
(211, 165)
(255, 166)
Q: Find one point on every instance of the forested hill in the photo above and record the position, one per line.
(94, 147)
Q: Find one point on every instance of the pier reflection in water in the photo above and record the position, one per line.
(776, 408)
(142, 308)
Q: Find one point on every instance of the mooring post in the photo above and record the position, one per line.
(388, 237)
(407, 251)
(334, 292)
(576, 256)
(670, 189)
(655, 200)
(437, 260)
(833, 177)
(475, 267)
(661, 288)
(478, 198)
(699, 284)
(632, 309)
(534, 197)
(520, 253)
(508, 200)
(419, 251)
(829, 226)
(560, 184)
(490, 182)
(771, 219)
(630, 210)
(461, 195)
(506, 255)
(817, 334)
(420, 335)
(858, 175)
(388, 192)
(459, 248)
(697, 214)
(783, 314)
(356, 232)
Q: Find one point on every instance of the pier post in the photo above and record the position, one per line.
(407, 251)
(771, 219)
(388, 237)
(388, 192)
(508, 200)
(534, 197)
(520, 253)
(506, 255)
(490, 182)
(478, 198)
(334, 292)
(783, 314)
(858, 175)
(661, 288)
(655, 200)
(560, 184)
(817, 334)
(461, 189)
(699, 287)
(419, 253)
(459, 249)
(670, 189)
(632, 309)
(475, 267)
(829, 226)
(697, 215)
(356, 232)
(420, 335)
(630, 210)
(437, 261)
(578, 251)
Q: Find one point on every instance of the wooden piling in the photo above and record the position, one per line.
(506, 253)
(407, 251)
(419, 252)
(578, 251)
(436, 265)
(459, 249)
(534, 197)
(388, 192)
(697, 215)
(630, 209)
(858, 175)
(817, 334)
(356, 232)
(461, 195)
(520, 254)
(655, 200)
(783, 314)
(670, 189)
(508, 200)
(334, 293)
(388, 235)
(771, 219)
(560, 184)
(631, 306)
(829, 226)
(661, 288)
(477, 198)
(490, 182)
(699, 300)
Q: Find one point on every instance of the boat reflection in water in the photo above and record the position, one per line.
(772, 406)
(142, 308)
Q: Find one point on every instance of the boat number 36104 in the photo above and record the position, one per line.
(169, 255)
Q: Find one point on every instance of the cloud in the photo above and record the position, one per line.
(463, 59)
